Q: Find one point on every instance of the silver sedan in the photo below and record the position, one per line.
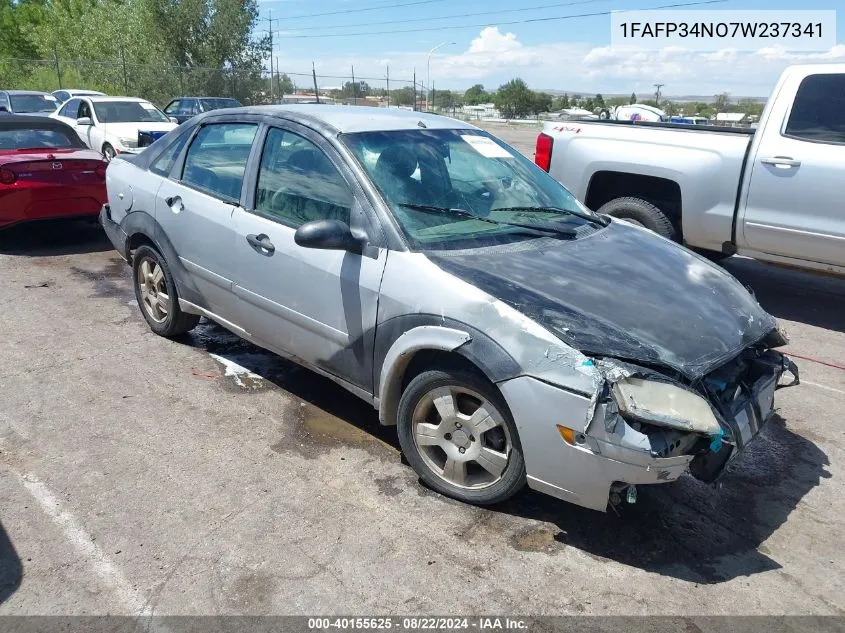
(512, 335)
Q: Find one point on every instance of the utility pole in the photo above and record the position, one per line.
(388, 86)
(58, 68)
(657, 93)
(270, 19)
(354, 88)
(415, 89)
(279, 80)
(125, 81)
(314, 75)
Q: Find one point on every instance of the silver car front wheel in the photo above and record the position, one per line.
(457, 433)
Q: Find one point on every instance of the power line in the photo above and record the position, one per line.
(446, 17)
(473, 26)
(360, 10)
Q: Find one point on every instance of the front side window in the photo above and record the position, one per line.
(84, 110)
(216, 159)
(818, 113)
(173, 107)
(164, 163)
(435, 181)
(128, 112)
(297, 183)
(70, 109)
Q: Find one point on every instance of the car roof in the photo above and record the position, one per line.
(81, 92)
(25, 92)
(103, 99)
(347, 119)
(205, 97)
(10, 120)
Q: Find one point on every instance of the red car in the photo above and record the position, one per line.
(47, 172)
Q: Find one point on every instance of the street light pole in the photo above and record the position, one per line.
(428, 72)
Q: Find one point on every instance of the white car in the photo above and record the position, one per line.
(113, 125)
(68, 93)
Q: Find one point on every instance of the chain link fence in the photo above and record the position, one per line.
(160, 83)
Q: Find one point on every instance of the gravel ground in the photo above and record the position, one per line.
(142, 475)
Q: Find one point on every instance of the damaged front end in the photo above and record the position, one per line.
(708, 421)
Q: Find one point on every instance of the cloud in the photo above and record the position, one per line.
(492, 57)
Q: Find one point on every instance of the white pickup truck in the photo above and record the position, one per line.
(776, 194)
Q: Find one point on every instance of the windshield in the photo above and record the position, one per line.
(216, 104)
(128, 112)
(33, 103)
(435, 181)
(17, 138)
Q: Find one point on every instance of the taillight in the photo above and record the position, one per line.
(101, 171)
(543, 151)
(7, 177)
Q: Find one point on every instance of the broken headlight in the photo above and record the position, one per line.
(666, 405)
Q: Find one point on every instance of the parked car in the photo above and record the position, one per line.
(47, 172)
(183, 108)
(771, 193)
(113, 125)
(65, 94)
(28, 102)
(430, 269)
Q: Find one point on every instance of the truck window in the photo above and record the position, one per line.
(818, 113)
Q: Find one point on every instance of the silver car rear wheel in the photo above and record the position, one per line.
(153, 287)
(458, 435)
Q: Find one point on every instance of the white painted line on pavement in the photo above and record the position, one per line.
(815, 384)
(88, 551)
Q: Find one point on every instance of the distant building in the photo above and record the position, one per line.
(481, 111)
(731, 119)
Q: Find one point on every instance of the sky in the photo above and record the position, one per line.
(489, 48)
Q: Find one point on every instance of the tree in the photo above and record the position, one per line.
(633, 98)
(285, 85)
(446, 100)
(403, 96)
(357, 90)
(561, 102)
(542, 102)
(749, 106)
(514, 99)
(599, 101)
(476, 95)
(721, 102)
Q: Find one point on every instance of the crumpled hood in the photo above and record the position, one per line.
(621, 292)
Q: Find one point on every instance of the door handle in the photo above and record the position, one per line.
(175, 203)
(781, 161)
(261, 242)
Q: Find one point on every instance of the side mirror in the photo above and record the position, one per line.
(173, 119)
(84, 120)
(330, 235)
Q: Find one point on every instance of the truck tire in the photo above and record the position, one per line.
(643, 213)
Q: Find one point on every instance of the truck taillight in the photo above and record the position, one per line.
(543, 151)
(7, 177)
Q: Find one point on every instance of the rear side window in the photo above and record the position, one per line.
(216, 159)
(818, 113)
(173, 107)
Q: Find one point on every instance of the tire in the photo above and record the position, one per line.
(156, 294)
(436, 446)
(643, 213)
(108, 152)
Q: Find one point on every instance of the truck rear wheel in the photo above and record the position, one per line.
(643, 213)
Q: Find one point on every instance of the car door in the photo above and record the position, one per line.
(318, 306)
(194, 208)
(89, 130)
(794, 206)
